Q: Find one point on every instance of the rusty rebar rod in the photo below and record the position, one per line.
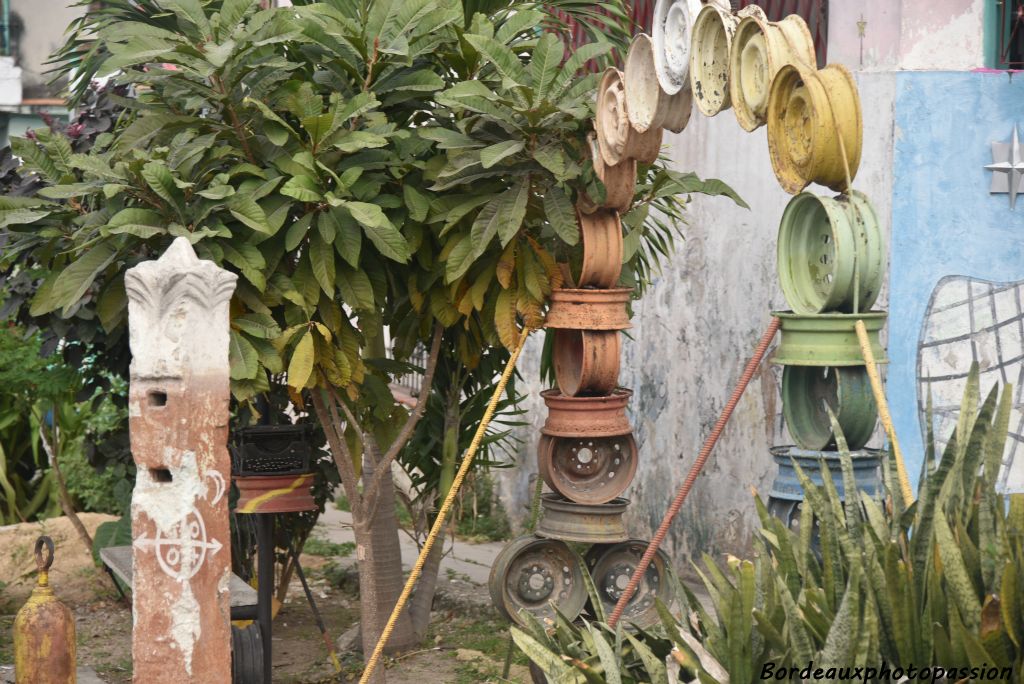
(702, 457)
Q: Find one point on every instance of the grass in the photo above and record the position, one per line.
(327, 549)
(487, 635)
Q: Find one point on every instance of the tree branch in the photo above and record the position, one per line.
(330, 421)
(384, 467)
(62, 488)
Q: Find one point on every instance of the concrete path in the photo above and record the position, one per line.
(463, 563)
(86, 675)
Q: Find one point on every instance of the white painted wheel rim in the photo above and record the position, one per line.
(645, 103)
(673, 20)
(709, 59)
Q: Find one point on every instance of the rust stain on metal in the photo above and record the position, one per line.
(602, 248)
(44, 631)
(589, 309)
(602, 416)
(586, 361)
(588, 470)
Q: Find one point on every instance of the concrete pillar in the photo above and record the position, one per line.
(178, 421)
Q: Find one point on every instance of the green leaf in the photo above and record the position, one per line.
(460, 258)
(249, 261)
(191, 11)
(609, 663)
(297, 231)
(421, 80)
(302, 188)
(561, 215)
(518, 198)
(245, 362)
(552, 158)
(416, 202)
(548, 661)
(382, 233)
(321, 256)
(34, 158)
(357, 105)
(244, 208)
(355, 288)
(300, 367)
(318, 126)
(354, 141)
(547, 56)
(447, 139)
(502, 216)
(78, 276)
(160, 180)
(233, 11)
(504, 60)
(489, 156)
(957, 577)
(112, 533)
(579, 57)
(217, 192)
(348, 238)
(261, 326)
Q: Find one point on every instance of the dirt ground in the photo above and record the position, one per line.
(467, 641)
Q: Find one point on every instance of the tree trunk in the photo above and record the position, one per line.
(426, 587)
(381, 579)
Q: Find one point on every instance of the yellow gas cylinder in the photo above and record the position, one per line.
(44, 631)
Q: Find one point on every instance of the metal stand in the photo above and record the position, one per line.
(265, 570)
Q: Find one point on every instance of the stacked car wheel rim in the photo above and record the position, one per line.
(587, 454)
(831, 259)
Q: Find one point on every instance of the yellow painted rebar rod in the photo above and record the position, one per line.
(436, 528)
(883, 410)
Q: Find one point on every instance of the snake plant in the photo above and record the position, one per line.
(890, 584)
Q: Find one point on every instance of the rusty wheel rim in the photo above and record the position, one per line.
(532, 573)
(612, 565)
(619, 182)
(585, 523)
(544, 445)
(578, 309)
(592, 470)
(601, 233)
(586, 361)
(602, 416)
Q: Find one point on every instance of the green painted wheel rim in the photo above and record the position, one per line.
(826, 339)
(831, 255)
(805, 392)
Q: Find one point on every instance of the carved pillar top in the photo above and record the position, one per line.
(171, 304)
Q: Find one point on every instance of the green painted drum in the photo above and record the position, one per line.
(826, 339)
(807, 390)
(831, 255)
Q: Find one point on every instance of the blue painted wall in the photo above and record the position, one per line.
(944, 222)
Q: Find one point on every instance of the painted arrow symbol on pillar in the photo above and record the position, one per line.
(182, 551)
